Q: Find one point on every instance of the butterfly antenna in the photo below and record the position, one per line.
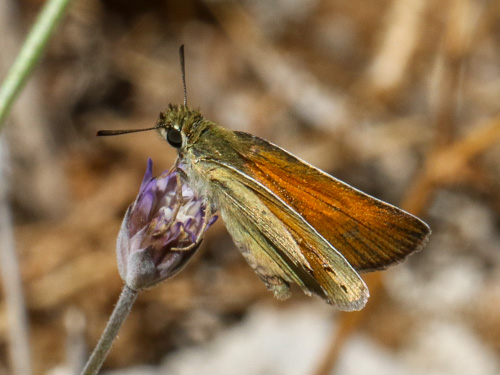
(183, 72)
(102, 133)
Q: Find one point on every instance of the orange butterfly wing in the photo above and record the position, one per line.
(369, 233)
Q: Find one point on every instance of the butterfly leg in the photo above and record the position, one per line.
(206, 220)
(200, 236)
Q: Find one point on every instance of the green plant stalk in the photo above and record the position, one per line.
(120, 313)
(30, 54)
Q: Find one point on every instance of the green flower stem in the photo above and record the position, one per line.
(120, 313)
(30, 54)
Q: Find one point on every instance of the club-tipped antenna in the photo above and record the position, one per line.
(183, 72)
(101, 133)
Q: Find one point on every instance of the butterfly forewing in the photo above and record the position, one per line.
(369, 233)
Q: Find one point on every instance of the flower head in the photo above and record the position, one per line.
(160, 232)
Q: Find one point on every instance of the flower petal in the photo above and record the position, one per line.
(148, 176)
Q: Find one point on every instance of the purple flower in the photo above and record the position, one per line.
(159, 233)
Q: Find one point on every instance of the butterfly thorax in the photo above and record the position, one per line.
(201, 140)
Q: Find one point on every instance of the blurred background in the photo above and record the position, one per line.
(397, 98)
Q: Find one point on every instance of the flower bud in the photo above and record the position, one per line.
(159, 232)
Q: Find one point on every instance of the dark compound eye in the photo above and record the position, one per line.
(174, 137)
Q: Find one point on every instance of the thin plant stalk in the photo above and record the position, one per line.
(30, 54)
(120, 313)
(15, 79)
(17, 317)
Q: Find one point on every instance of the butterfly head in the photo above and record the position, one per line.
(176, 123)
